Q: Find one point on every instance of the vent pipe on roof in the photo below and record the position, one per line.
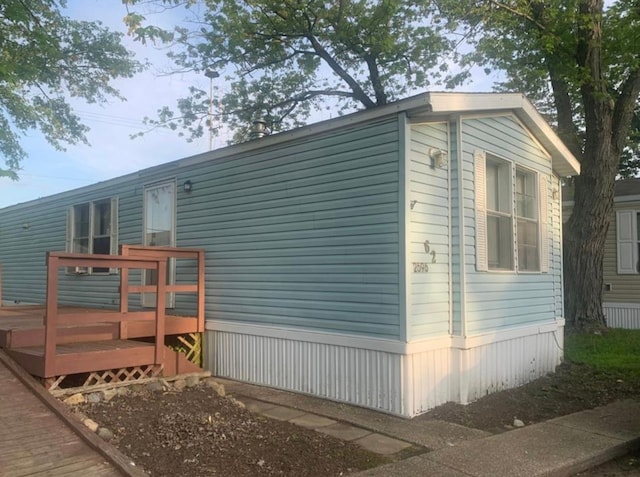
(259, 129)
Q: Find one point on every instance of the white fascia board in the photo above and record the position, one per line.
(564, 162)
(626, 198)
(426, 105)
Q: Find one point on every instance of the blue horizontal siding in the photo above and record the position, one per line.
(305, 235)
(499, 300)
(302, 234)
(429, 308)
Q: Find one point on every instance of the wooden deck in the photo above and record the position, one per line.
(38, 436)
(52, 341)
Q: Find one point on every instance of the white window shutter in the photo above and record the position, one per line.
(626, 241)
(113, 242)
(543, 190)
(480, 184)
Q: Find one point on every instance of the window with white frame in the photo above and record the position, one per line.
(499, 214)
(628, 241)
(527, 227)
(510, 216)
(92, 228)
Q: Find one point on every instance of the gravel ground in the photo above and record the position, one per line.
(197, 432)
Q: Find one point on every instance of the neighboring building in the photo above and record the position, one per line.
(621, 268)
(396, 258)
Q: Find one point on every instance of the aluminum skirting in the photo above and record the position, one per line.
(405, 384)
(622, 315)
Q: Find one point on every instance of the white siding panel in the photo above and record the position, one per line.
(511, 363)
(622, 315)
(393, 377)
(433, 379)
(362, 377)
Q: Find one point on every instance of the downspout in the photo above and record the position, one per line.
(463, 369)
(461, 251)
(404, 280)
(450, 230)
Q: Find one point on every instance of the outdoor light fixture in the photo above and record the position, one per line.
(438, 158)
(187, 186)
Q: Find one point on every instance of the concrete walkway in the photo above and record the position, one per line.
(559, 447)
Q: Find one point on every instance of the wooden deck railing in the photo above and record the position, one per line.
(166, 253)
(52, 319)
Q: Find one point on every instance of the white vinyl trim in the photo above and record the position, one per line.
(480, 168)
(379, 344)
(543, 184)
(627, 241)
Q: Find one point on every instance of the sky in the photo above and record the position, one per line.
(112, 152)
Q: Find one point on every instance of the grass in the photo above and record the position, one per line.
(613, 351)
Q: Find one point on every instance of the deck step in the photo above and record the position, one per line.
(26, 337)
(74, 358)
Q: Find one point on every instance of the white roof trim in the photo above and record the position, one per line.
(563, 162)
(429, 106)
(426, 105)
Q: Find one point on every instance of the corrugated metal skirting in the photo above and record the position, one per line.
(622, 315)
(401, 384)
(363, 377)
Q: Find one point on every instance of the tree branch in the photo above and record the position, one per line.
(358, 92)
(374, 75)
(624, 109)
(517, 13)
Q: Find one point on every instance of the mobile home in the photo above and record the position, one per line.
(396, 258)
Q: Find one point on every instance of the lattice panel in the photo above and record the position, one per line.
(121, 375)
(191, 346)
(111, 376)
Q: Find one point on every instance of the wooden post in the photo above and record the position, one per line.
(201, 290)
(124, 300)
(161, 290)
(51, 316)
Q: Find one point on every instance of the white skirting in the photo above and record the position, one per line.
(622, 315)
(394, 377)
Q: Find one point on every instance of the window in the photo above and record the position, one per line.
(510, 216)
(628, 241)
(499, 215)
(527, 221)
(92, 228)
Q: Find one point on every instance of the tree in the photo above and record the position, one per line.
(580, 62)
(284, 58)
(47, 59)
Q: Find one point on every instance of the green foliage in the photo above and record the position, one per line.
(540, 47)
(284, 58)
(615, 350)
(46, 59)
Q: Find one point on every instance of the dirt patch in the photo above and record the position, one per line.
(196, 432)
(571, 388)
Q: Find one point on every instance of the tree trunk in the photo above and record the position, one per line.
(584, 236)
(586, 230)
